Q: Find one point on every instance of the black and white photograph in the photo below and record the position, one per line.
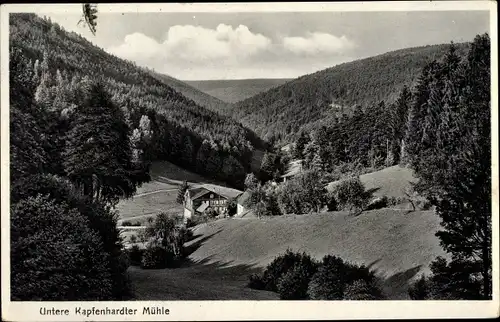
(220, 153)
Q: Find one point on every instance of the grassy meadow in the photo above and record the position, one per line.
(396, 243)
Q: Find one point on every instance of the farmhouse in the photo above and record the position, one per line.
(208, 197)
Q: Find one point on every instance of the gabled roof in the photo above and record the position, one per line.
(243, 197)
(223, 191)
(198, 192)
(220, 190)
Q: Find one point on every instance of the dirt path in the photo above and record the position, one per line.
(153, 192)
(161, 190)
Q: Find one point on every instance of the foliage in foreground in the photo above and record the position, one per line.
(48, 263)
(48, 250)
(335, 275)
(98, 217)
(296, 276)
(165, 242)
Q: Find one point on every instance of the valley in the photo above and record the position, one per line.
(364, 180)
(235, 90)
(398, 244)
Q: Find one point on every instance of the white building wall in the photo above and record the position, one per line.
(239, 209)
(187, 214)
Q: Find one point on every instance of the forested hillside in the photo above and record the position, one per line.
(441, 129)
(166, 124)
(313, 100)
(202, 98)
(235, 90)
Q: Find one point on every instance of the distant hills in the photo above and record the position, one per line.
(235, 90)
(312, 100)
(198, 95)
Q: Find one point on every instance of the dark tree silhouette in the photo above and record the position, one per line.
(450, 150)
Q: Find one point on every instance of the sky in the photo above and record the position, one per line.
(208, 45)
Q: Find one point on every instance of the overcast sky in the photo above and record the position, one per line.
(195, 46)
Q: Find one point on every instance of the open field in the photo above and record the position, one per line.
(391, 182)
(396, 244)
(196, 281)
(164, 201)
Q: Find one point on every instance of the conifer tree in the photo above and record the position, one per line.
(398, 122)
(181, 192)
(298, 150)
(453, 163)
(43, 93)
(98, 157)
(27, 154)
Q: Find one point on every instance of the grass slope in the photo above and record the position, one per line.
(196, 281)
(391, 182)
(396, 244)
(235, 90)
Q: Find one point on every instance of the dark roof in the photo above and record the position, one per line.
(220, 190)
(198, 192)
(243, 197)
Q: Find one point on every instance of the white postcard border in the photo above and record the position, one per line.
(249, 310)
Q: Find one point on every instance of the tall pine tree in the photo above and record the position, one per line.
(98, 156)
(452, 159)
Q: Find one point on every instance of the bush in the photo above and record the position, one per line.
(166, 232)
(135, 255)
(99, 218)
(55, 255)
(328, 282)
(157, 257)
(293, 284)
(377, 203)
(211, 213)
(350, 194)
(280, 266)
(255, 281)
(424, 204)
(394, 201)
(331, 202)
(333, 276)
(304, 193)
(188, 234)
(420, 289)
(360, 290)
